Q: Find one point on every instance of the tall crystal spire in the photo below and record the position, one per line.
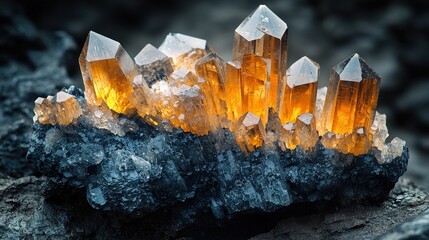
(264, 34)
(352, 96)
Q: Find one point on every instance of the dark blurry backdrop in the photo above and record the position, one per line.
(392, 36)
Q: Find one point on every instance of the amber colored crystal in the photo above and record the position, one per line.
(184, 50)
(249, 132)
(153, 65)
(300, 90)
(211, 73)
(287, 139)
(108, 72)
(143, 97)
(352, 96)
(255, 85)
(306, 133)
(67, 108)
(264, 34)
(190, 110)
(44, 110)
(233, 87)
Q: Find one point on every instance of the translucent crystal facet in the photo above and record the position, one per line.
(44, 110)
(249, 132)
(352, 96)
(233, 88)
(264, 34)
(153, 65)
(67, 108)
(184, 50)
(108, 72)
(211, 73)
(306, 133)
(300, 90)
(184, 84)
(255, 85)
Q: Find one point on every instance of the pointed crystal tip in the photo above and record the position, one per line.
(303, 71)
(259, 22)
(176, 44)
(101, 47)
(148, 55)
(355, 69)
(250, 120)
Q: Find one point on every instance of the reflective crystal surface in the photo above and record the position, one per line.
(184, 84)
(184, 50)
(300, 90)
(255, 85)
(264, 34)
(67, 108)
(153, 65)
(249, 132)
(108, 72)
(211, 73)
(352, 96)
(234, 90)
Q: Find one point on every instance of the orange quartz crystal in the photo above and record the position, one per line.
(352, 96)
(183, 50)
(211, 73)
(249, 132)
(255, 85)
(233, 87)
(264, 34)
(300, 90)
(108, 73)
(184, 84)
(67, 108)
(44, 110)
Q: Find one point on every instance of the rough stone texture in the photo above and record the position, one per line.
(32, 64)
(361, 222)
(149, 170)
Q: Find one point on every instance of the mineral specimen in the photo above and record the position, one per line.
(179, 132)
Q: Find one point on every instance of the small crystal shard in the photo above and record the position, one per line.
(352, 96)
(44, 110)
(67, 108)
(264, 34)
(249, 132)
(255, 85)
(108, 73)
(153, 65)
(305, 131)
(300, 90)
(287, 138)
(184, 50)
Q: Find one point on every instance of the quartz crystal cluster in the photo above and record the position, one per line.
(251, 107)
(185, 84)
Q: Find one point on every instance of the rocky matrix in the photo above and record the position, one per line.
(177, 132)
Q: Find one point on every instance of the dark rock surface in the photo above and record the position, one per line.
(390, 35)
(148, 171)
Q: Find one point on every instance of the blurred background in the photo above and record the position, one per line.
(392, 36)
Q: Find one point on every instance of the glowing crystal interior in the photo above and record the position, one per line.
(184, 84)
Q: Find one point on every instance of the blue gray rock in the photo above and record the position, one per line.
(148, 171)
